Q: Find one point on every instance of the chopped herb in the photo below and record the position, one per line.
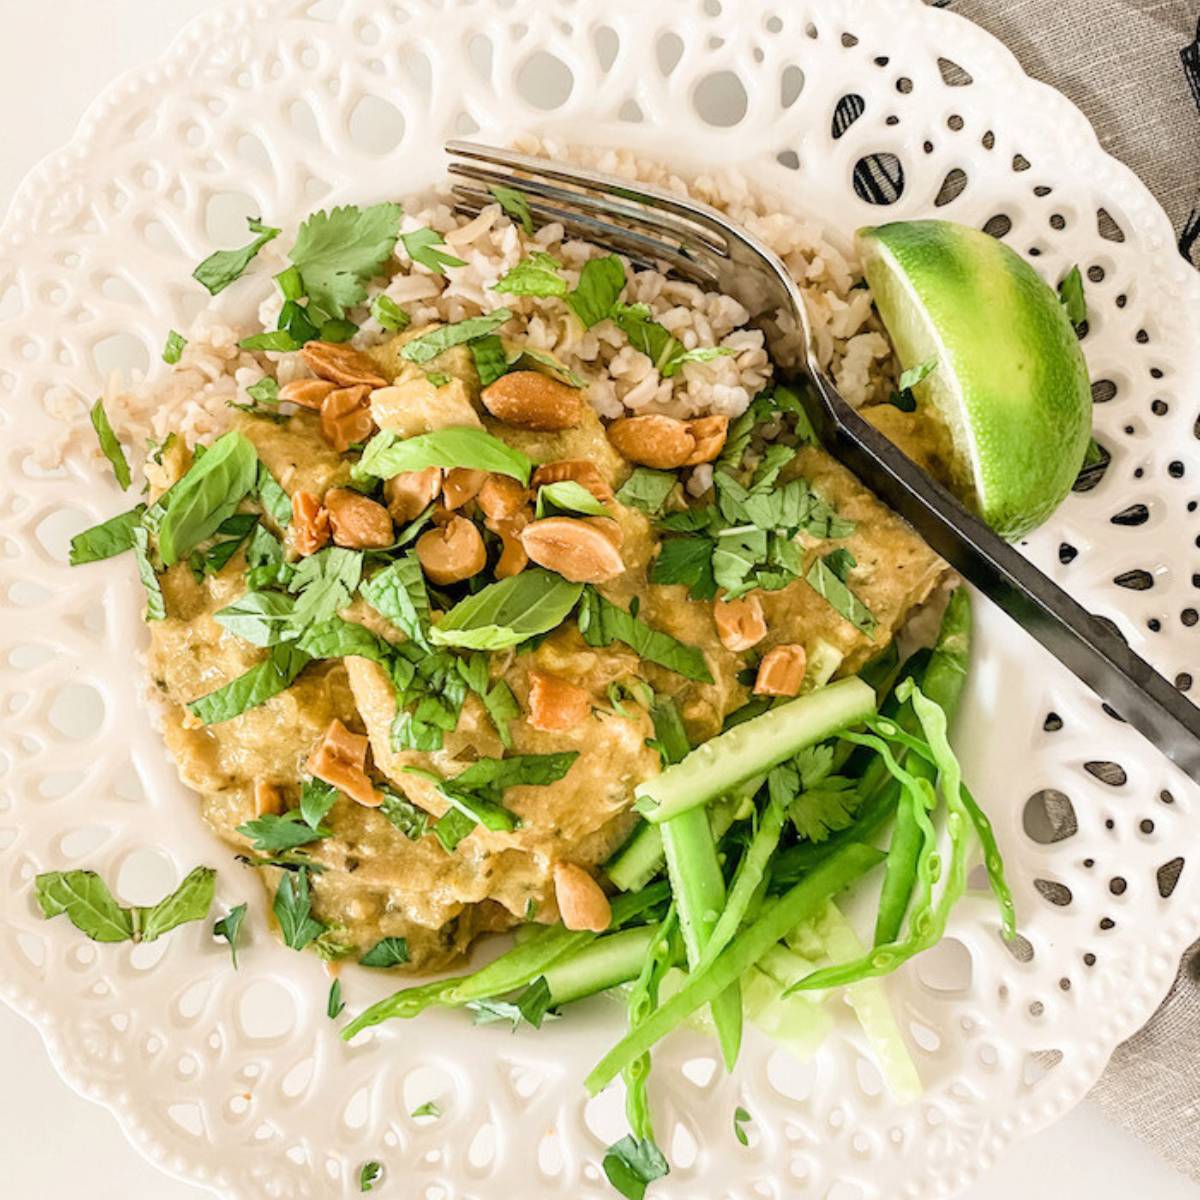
(401, 812)
(452, 828)
(275, 501)
(1070, 293)
(109, 538)
(316, 799)
(299, 326)
(369, 1176)
(109, 444)
(429, 697)
(436, 341)
(290, 284)
(324, 583)
(230, 928)
(386, 455)
(647, 490)
(429, 1109)
(740, 1117)
(156, 608)
(546, 364)
(388, 952)
(331, 946)
(514, 203)
(488, 1012)
(632, 1165)
(600, 285)
(823, 576)
(508, 612)
(818, 802)
(255, 687)
(338, 331)
(601, 623)
(265, 391)
(538, 274)
(219, 270)
(422, 247)
(293, 910)
(278, 340)
(648, 336)
(700, 354)
(491, 360)
(438, 378)
(910, 378)
(337, 253)
(398, 594)
(496, 696)
(687, 560)
(335, 1005)
(173, 350)
(567, 496)
(261, 618)
(336, 638)
(520, 770)
(272, 833)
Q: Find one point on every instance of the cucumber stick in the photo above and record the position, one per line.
(609, 960)
(753, 747)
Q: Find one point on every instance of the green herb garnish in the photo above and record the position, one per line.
(335, 1005)
(600, 285)
(647, 490)
(156, 608)
(106, 540)
(219, 270)
(369, 1175)
(429, 1109)
(422, 247)
(388, 952)
(538, 274)
(436, 341)
(255, 687)
(491, 360)
(632, 1165)
(827, 576)
(700, 354)
(386, 455)
(740, 1117)
(272, 833)
(567, 496)
(506, 613)
(293, 910)
(398, 594)
(230, 928)
(601, 623)
(109, 445)
(514, 203)
(173, 349)
(389, 314)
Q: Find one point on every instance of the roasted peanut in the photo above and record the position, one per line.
(666, 443)
(460, 485)
(513, 558)
(410, 493)
(309, 530)
(357, 522)
(740, 623)
(579, 471)
(530, 400)
(267, 798)
(556, 705)
(308, 393)
(340, 759)
(582, 903)
(610, 528)
(414, 406)
(341, 364)
(781, 671)
(577, 550)
(346, 417)
(452, 553)
(501, 497)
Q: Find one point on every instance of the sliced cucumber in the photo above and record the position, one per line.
(609, 960)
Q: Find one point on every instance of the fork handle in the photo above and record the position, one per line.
(1086, 646)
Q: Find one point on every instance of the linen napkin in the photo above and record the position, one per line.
(1133, 67)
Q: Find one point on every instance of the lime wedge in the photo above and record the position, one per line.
(1010, 389)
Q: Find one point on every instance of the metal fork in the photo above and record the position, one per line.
(651, 228)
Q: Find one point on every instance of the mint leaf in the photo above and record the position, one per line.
(109, 445)
(600, 285)
(272, 833)
(535, 275)
(338, 252)
(255, 687)
(1070, 293)
(601, 623)
(261, 618)
(567, 496)
(230, 928)
(491, 360)
(546, 364)
(389, 314)
(422, 246)
(173, 349)
(496, 696)
(265, 391)
(652, 339)
(219, 270)
(519, 770)
(156, 607)
(109, 538)
(508, 612)
(190, 901)
(293, 910)
(398, 594)
(631, 1166)
(323, 584)
(401, 812)
(514, 203)
(647, 490)
(388, 952)
(429, 345)
(387, 455)
(451, 828)
(336, 638)
(826, 577)
(276, 502)
(88, 904)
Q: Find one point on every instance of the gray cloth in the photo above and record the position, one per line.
(1133, 67)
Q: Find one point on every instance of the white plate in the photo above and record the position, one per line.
(238, 1080)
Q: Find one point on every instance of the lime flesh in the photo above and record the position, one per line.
(1011, 387)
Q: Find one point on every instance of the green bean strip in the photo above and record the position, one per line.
(994, 864)
(838, 871)
(900, 873)
(643, 998)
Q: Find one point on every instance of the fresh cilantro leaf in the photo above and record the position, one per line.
(369, 1176)
(700, 354)
(567, 496)
(293, 910)
(647, 336)
(109, 445)
(338, 331)
(335, 1005)
(316, 799)
(429, 345)
(421, 246)
(324, 583)
(290, 283)
(272, 833)
(173, 349)
(491, 359)
(190, 901)
(389, 314)
(600, 285)
(255, 687)
(816, 811)
(537, 274)
(338, 252)
(219, 270)
(429, 696)
(1070, 293)
(508, 612)
(910, 378)
(601, 623)
(429, 1109)
(632, 1165)
(687, 560)
(647, 490)
(109, 538)
(230, 928)
(88, 904)
(388, 952)
(514, 203)
(740, 1117)
(398, 594)
(156, 607)
(824, 578)
(401, 812)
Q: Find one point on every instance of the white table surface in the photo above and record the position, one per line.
(54, 57)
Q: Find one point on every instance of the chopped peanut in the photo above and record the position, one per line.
(346, 417)
(357, 522)
(267, 798)
(309, 530)
(580, 471)
(531, 400)
(501, 497)
(513, 559)
(308, 393)
(781, 671)
(410, 493)
(667, 443)
(610, 528)
(582, 903)
(740, 623)
(342, 364)
(460, 485)
(556, 705)
(576, 549)
(453, 552)
(709, 434)
(340, 759)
